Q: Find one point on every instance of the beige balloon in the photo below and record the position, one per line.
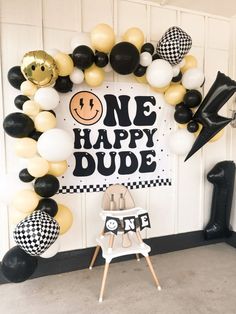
(183, 125)
(28, 89)
(141, 79)
(189, 62)
(44, 121)
(64, 217)
(102, 38)
(217, 136)
(57, 168)
(31, 108)
(94, 76)
(15, 216)
(134, 36)
(64, 64)
(25, 147)
(38, 167)
(25, 201)
(175, 94)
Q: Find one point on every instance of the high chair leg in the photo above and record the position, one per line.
(152, 272)
(95, 254)
(103, 281)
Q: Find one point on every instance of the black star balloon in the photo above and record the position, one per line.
(207, 114)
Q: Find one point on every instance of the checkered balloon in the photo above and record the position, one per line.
(36, 233)
(174, 45)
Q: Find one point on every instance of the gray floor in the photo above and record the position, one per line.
(194, 281)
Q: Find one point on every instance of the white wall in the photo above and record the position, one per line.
(34, 24)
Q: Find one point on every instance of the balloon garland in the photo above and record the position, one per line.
(41, 77)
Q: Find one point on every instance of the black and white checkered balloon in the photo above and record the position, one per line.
(174, 45)
(36, 233)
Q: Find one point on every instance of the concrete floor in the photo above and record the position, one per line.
(194, 281)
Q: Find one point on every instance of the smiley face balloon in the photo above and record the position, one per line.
(39, 68)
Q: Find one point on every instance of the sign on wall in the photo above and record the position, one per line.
(120, 132)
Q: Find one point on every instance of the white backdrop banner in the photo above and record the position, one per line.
(120, 132)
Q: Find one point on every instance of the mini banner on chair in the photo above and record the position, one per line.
(120, 132)
(144, 221)
(111, 224)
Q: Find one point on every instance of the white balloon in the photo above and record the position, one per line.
(193, 78)
(176, 70)
(80, 39)
(159, 73)
(47, 97)
(145, 59)
(55, 145)
(77, 76)
(181, 141)
(52, 250)
(52, 52)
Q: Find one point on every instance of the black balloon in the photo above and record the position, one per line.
(183, 115)
(124, 58)
(63, 84)
(18, 125)
(222, 177)
(48, 205)
(17, 265)
(148, 47)
(192, 98)
(83, 57)
(35, 135)
(140, 71)
(46, 186)
(20, 100)
(192, 126)
(25, 176)
(207, 114)
(155, 57)
(101, 59)
(177, 78)
(179, 106)
(15, 77)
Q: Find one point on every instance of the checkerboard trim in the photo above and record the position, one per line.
(71, 189)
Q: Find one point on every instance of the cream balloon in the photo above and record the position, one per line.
(160, 90)
(57, 168)
(25, 201)
(37, 167)
(44, 121)
(77, 76)
(52, 250)
(159, 73)
(193, 78)
(25, 147)
(64, 218)
(94, 76)
(102, 38)
(47, 98)
(64, 64)
(28, 89)
(181, 141)
(134, 36)
(145, 59)
(31, 108)
(175, 94)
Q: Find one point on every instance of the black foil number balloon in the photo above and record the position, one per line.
(222, 177)
(18, 125)
(124, 58)
(207, 114)
(17, 265)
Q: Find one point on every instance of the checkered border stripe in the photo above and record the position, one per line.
(100, 188)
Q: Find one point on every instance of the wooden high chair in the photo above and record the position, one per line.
(122, 243)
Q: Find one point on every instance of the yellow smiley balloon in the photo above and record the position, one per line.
(39, 68)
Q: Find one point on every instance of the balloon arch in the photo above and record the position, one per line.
(168, 69)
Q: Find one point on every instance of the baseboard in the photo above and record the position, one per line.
(232, 239)
(80, 259)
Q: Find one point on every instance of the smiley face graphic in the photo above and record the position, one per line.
(111, 224)
(86, 108)
(39, 68)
